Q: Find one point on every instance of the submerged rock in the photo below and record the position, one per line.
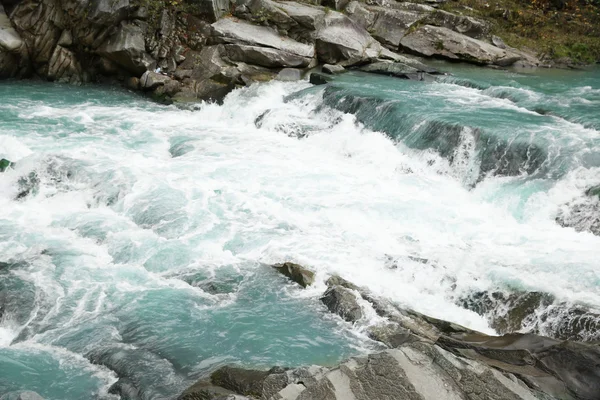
(583, 213)
(397, 70)
(5, 164)
(317, 78)
(24, 395)
(296, 273)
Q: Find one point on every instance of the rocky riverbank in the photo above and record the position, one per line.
(426, 358)
(202, 50)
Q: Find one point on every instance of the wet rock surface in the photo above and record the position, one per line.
(296, 273)
(428, 359)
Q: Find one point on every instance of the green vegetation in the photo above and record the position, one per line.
(556, 29)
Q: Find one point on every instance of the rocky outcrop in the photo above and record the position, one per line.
(427, 359)
(434, 41)
(12, 48)
(343, 302)
(296, 273)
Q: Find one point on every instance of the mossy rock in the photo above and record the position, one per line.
(5, 164)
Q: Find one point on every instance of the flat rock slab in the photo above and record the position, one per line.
(265, 56)
(233, 31)
(433, 41)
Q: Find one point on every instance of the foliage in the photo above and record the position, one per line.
(555, 28)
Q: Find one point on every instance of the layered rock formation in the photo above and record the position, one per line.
(425, 359)
(204, 49)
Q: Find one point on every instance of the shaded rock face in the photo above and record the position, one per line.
(296, 273)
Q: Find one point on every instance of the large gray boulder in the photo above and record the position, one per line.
(127, 48)
(64, 66)
(11, 46)
(307, 16)
(265, 56)
(232, 31)
(466, 25)
(433, 41)
(342, 41)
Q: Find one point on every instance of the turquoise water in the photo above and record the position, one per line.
(136, 238)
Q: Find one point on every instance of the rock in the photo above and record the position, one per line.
(307, 16)
(342, 41)
(466, 25)
(392, 335)
(296, 273)
(11, 45)
(317, 78)
(333, 69)
(10, 40)
(265, 56)
(64, 67)
(343, 302)
(397, 70)
(289, 75)
(264, 12)
(212, 10)
(5, 164)
(24, 395)
(391, 25)
(127, 48)
(239, 380)
(152, 80)
(133, 83)
(498, 42)
(228, 30)
(593, 191)
(442, 42)
(581, 214)
(418, 371)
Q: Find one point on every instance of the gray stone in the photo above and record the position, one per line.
(10, 40)
(310, 17)
(152, 80)
(264, 56)
(127, 48)
(296, 273)
(343, 302)
(466, 25)
(64, 67)
(335, 4)
(445, 43)
(333, 69)
(133, 83)
(498, 42)
(264, 12)
(581, 214)
(228, 30)
(391, 25)
(342, 41)
(289, 75)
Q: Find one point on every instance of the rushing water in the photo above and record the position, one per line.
(135, 238)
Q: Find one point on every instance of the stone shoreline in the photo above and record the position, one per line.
(206, 49)
(426, 359)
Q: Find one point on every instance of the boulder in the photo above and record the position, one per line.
(333, 69)
(5, 164)
(391, 25)
(127, 48)
(264, 12)
(289, 75)
(317, 78)
(466, 25)
(231, 31)
(151, 80)
(307, 16)
(335, 4)
(342, 41)
(398, 70)
(264, 56)
(498, 42)
(433, 41)
(238, 380)
(343, 302)
(65, 67)
(296, 273)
